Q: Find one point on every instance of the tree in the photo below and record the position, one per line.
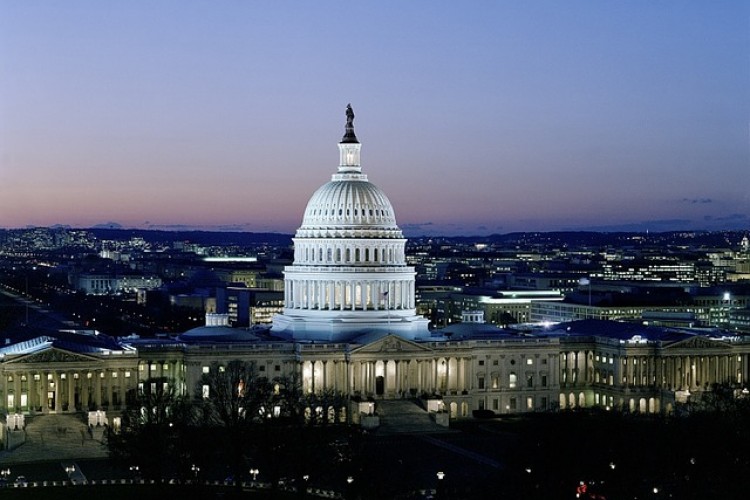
(236, 400)
(153, 431)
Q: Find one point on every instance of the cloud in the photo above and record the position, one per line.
(732, 218)
(694, 201)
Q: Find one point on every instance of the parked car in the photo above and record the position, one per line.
(21, 482)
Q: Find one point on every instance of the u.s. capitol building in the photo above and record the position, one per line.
(349, 325)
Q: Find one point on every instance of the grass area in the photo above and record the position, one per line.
(141, 492)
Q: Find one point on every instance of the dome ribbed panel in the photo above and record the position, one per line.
(349, 207)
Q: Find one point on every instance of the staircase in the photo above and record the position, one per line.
(404, 416)
(55, 437)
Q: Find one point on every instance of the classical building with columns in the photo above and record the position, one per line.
(349, 325)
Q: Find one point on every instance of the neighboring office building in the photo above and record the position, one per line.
(106, 284)
(249, 306)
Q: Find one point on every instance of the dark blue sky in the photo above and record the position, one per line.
(475, 117)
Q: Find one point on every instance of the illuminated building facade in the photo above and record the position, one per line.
(349, 325)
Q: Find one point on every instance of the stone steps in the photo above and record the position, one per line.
(405, 417)
(55, 437)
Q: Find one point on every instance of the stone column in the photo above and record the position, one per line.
(71, 391)
(58, 392)
(98, 388)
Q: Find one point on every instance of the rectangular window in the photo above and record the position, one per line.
(530, 381)
(495, 404)
(481, 362)
(529, 361)
(512, 380)
(204, 391)
(529, 403)
(277, 368)
(206, 370)
(480, 383)
(544, 380)
(544, 403)
(513, 406)
(495, 362)
(262, 368)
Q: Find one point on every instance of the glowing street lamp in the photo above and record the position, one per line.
(254, 473)
(195, 470)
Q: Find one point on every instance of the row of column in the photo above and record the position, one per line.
(349, 294)
(337, 254)
(52, 390)
(678, 372)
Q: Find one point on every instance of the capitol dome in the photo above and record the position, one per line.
(349, 275)
(349, 206)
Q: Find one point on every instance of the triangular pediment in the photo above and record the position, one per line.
(391, 344)
(54, 355)
(698, 342)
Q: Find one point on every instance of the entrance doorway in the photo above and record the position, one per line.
(379, 385)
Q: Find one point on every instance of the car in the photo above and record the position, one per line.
(21, 482)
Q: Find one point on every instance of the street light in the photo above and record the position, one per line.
(5, 473)
(440, 475)
(254, 473)
(195, 470)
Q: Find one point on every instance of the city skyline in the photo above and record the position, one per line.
(495, 119)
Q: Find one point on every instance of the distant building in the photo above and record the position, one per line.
(106, 284)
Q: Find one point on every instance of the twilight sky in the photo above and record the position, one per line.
(475, 117)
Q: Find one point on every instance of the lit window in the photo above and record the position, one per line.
(114, 374)
(205, 369)
(529, 403)
(529, 361)
(221, 369)
(205, 391)
(36, 376)
(127, 374)
(512, 380)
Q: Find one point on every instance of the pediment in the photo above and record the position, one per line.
(698, 342)
(391, 344)
(54, 355)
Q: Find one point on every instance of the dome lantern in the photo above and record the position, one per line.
(349, 146)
